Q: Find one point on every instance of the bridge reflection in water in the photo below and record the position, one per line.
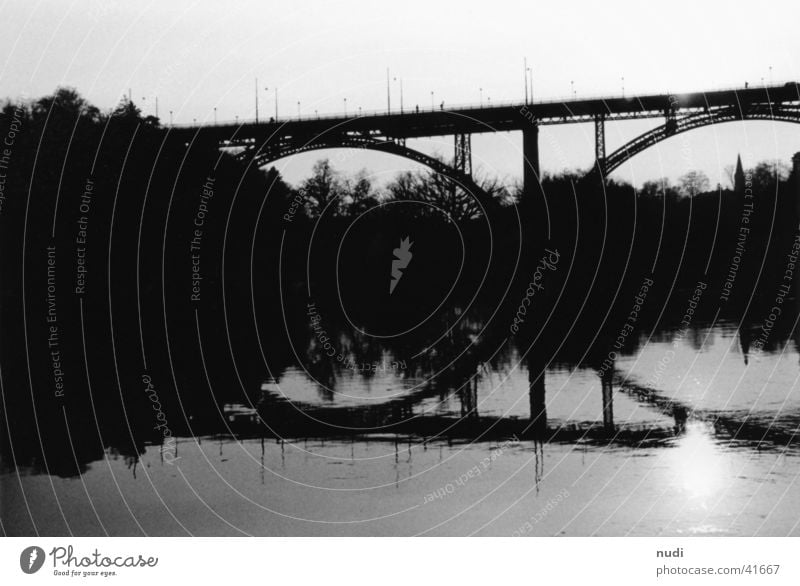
(421, 417)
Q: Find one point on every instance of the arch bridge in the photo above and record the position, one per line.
(266, 141)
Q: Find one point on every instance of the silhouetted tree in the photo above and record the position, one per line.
(442, 194)
(658, 188)
(323, 191)
(692, 183)
(768, 174)
(65, 102)
(359, 194)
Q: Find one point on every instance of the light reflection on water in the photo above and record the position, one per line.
(695, 486)
(699, 464)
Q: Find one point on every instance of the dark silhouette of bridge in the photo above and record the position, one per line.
(266, 141)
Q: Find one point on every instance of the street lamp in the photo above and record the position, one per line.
(530, 82)
(481, 90)
(170, 117)
(432, 107)
(298, 108)
(572, 88)
(623, 86)
(144, 99)
(401, 92)
(215, 115)
(266, 89)
(525, 71)
(345, 106)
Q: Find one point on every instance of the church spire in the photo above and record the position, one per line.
(738, 177)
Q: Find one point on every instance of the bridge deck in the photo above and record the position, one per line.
(471, 120)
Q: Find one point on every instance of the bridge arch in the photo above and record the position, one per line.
(677, 126)
(268, 153)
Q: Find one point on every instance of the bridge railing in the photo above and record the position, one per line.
(463, 106)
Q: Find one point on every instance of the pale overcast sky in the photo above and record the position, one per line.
(198, 55)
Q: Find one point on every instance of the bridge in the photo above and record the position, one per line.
(264, 142)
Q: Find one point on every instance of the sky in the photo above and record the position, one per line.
(198, 55)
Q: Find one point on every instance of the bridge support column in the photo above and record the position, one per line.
(600, 143)
(462, 159)
(530, 153)
(536, 397)
(796, 181)
(607, 383)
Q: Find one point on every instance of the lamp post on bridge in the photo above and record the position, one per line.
(388, 93)
(345, 106)
(432, 106)
(215, 115)
(298, 108)
(266, 89)
(144, 99)
(623, 86)
(400, 79)
(528, 84)
(525, 71)
(530, 81)
(170, 117)
(481, 92)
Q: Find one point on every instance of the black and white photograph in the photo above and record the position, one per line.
(399, 269)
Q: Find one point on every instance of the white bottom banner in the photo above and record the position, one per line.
(396, 561)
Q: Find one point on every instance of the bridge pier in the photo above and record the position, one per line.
(530, 154)
(607, 383)
(600, 143)
(796, 180)
(462, 159)
(536, 398)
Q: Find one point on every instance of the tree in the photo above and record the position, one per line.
(324, 191)
(692, 183)
(359, 194)
(440, 192)
(127, 110)
(657, 188)
(65, 103)
(730, 175)
(768, 174)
